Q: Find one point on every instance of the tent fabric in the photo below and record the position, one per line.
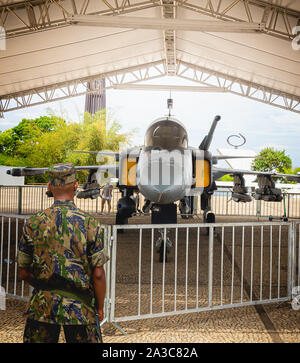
(62, 54)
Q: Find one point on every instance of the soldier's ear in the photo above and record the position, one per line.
(75, 186)
(48, 186)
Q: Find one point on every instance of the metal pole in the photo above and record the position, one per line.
(242, 272)
(271, 262)
(16, 254)
(222, 265)
(8, 255)
(20, 200)
(210, 265)
(151, 273)
(164, 270)
(298, 251)
(251, 286)
(140, 272)
(42, 198)
(107, 246)
(197, 269)
(176, 258)
(258, 208)
(279, 253)
(290, 260)
(186, 268)
(261, 258)
(1, 249)
(232, 264)
(113, 274)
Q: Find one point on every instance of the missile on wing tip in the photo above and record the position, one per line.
(14, 172)
(25, 171)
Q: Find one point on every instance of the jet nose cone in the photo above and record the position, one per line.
(163, 194)
(163, 177)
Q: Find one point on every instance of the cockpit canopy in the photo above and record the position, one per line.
(166, 134)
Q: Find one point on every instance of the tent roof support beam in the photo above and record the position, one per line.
(279, 20)
(237, 86)
(168, 10)
(78, 87)
(133, 75)
(37, 15)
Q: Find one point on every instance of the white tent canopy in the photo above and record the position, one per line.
(47, 58)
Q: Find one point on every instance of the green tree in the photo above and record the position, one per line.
(27, 130)
(272, 160)
(49, 140)
(7, 142)
(226, 178)
(98, 133)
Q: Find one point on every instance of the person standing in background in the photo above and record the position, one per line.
(107, 195)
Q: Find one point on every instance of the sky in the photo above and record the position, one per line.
(261, 124)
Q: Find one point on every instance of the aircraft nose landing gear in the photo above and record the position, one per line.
(209, 217)
(163, 245)
(163, 214)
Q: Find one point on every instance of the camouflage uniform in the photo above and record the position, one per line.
(60, 246)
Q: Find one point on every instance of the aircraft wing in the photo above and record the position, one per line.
(219, 172)
(225, 157)
(23, 171)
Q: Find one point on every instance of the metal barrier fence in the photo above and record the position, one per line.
(235, 264)
(222, 204)
(10, 233)
(296, 257)
(31, 199)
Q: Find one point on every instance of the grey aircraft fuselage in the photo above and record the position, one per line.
(164, 169)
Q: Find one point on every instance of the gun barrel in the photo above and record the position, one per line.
(208, 138)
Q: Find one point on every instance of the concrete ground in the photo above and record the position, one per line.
(273, 322)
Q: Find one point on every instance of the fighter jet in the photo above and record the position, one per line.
(166, 170)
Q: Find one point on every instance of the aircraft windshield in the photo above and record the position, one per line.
(166, 134)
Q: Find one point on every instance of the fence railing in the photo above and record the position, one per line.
(199, 267)
(10, 233)
(32, 199)
(234, 265)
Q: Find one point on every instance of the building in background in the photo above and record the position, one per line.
(96, 101)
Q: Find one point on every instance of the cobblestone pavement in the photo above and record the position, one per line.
(231, 325)
(261, 323)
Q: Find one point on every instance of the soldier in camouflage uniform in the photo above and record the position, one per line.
(61, 255)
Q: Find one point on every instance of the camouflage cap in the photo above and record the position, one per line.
(62, 174)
